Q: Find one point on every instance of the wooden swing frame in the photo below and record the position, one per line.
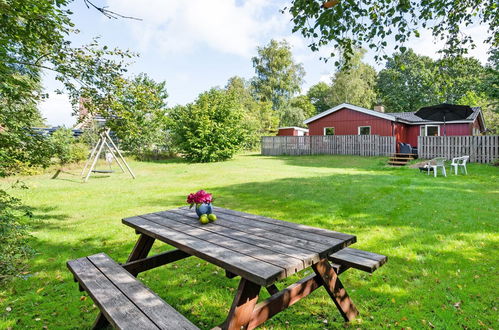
(104, 140)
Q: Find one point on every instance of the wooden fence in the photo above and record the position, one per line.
(481, 149)
(362, 145)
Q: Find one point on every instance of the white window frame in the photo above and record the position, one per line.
(426, 129)
(334, 130)
(359, 127)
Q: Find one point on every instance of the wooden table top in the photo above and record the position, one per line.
(260, 249)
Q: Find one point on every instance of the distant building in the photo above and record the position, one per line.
(292, 131)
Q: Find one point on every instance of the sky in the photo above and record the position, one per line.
(197, 44)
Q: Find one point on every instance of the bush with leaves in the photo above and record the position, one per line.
(137, 114)
(66, 148)
(209, 130)
(14, 250)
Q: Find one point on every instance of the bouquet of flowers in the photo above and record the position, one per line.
(201, 197)
(204, 209)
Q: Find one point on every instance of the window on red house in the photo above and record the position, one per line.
(328, 130)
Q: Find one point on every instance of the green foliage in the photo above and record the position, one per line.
(278, 77)
(209, 130)
(33, 37)
(320, 96)
(410, 81)
(137, 113)
(303, 102)
(407, 82)
(355, 84)
(352, 24)
(490, 117)
(14, 250)
(21, 148)
(66, 148)
(292, 116)
(491, 80)
(259, 119)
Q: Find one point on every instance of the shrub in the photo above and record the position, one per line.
(66, 148)
(14, 250)
(209, 130)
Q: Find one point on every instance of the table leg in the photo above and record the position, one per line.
(242, 306)
(335, 289)
(140, 250)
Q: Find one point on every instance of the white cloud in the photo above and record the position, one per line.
(179, 26)
(57, 110)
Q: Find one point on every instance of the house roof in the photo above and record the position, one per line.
(351, 107)
(295, 128)
(411, 118)
(405, 117)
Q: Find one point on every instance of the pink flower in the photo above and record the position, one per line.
(199, 197)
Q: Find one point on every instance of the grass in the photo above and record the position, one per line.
(440, 235)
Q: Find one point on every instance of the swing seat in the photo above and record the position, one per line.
(102, 171)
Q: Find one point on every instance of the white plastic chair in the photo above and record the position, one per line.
(459, 162)
(435, 163)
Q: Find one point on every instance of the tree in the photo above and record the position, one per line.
(320, 96)
(457, 76)
(348, 25)
(259, 118)
(490, 84)
(209, 130)
(278, 77)
(481, 100)
(410, 81)
(292, 116)
(407, 82)
(303, 102)
(137, 113)
(33, 38)
(21, 148)
(355, 84)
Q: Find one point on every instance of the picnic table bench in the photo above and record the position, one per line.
(260, 250)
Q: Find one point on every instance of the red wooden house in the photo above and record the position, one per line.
(347, 119)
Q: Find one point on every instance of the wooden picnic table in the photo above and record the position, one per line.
(260, 250)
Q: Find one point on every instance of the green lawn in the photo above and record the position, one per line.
(440, 234)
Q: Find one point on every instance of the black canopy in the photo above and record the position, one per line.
(445, 112)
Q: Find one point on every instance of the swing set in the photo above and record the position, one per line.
(109, 155)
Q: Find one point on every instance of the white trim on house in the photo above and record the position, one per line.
(426, 129)
(359, 127)
(351, 107)
(324, 131)
(295, 128)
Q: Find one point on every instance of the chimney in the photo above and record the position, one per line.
(379, 108)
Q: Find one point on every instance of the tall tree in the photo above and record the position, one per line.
(137, 113)
(407, 82)
(355, 84)
(348, 25)
(303, 102)
(410, 81)
(259, 118)
(278, 77)
(320, 96)
(455, 76)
